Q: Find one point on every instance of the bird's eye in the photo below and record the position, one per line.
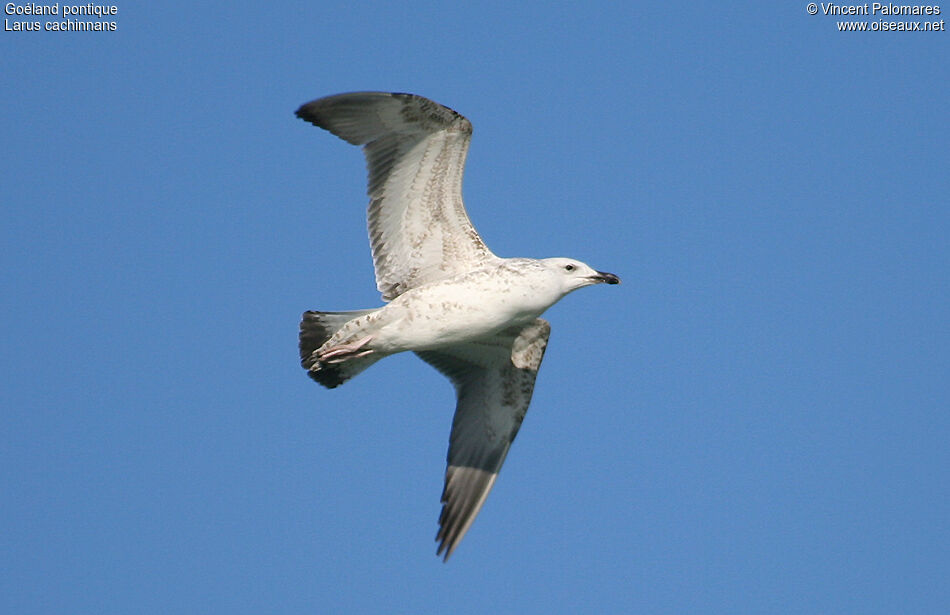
(569, 267)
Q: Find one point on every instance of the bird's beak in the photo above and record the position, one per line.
(606, 278)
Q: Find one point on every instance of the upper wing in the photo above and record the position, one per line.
(494, 381)
(415, 156)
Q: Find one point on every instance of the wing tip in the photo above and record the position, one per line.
(311, 112)
(416, 109)
(466, 489)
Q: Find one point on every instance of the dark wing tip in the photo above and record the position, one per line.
(360, 117)
(462, 498)
(313, 112)
(303, 112)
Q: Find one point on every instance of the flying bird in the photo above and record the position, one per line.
(470, 314)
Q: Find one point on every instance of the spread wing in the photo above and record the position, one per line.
(493, 381)
(415, 156)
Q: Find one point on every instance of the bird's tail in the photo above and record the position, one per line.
(315, 329)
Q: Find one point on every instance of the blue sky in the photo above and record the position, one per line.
(756, 421)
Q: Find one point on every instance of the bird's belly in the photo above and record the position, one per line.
(433, 322)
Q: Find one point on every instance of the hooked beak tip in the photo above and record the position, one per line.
(607, 278)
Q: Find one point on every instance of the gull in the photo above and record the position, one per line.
(470, 314)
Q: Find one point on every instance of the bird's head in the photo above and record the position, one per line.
(573, 274)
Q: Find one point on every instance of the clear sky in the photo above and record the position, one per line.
(755, 421)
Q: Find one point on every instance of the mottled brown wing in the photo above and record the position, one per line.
(415, 156)
(494, 381)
